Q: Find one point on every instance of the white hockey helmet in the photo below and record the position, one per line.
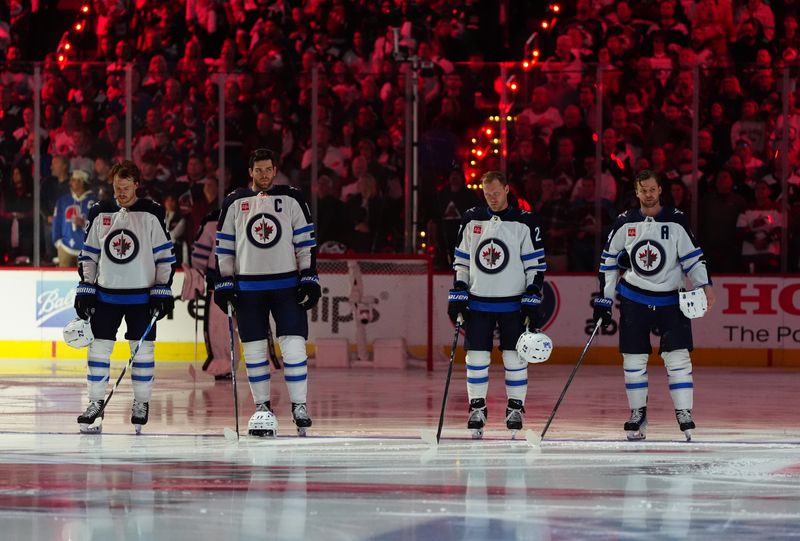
(534, 347)
(78, 333)
(263, 423)
(693, 303)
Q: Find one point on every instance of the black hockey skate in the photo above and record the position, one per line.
(685, 422)
(636, 425)
(91, 420)
(477, 417)
(300, 417)
(514, 412)
(140, 412)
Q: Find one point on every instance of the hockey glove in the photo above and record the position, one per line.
(161, 301)
(458, 302)
(308, 291)
(624, 260)
(85, 300)
(532, 307)
(602, 311)
(224, 294)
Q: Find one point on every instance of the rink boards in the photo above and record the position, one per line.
(755, 321)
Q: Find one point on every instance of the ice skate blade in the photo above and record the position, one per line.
(301, 431)
(688, 434)
(477, 433)
(428, 436)
(94, 428)
(137, 428)
(514, 433)
(636, 435)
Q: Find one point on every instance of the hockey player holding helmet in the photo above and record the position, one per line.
(655, 248)
(499, 273)
(266, 259)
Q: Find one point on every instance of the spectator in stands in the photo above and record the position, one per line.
(721, 211)
(365, 211)
(586, 228)
(69, 219)
(332, 216)
(16, 218)
(759, 230)
(554, 215)
(541, 116)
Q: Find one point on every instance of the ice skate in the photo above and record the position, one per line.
(263, 423)
(514, 412)
(685, 422)
(300, 417)
(477, 417)
(636, 425)
(140, 412)
(91, 420)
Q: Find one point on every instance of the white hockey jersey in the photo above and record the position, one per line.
(662, 250)
(498, 256)
(265, 240)
(126, 251)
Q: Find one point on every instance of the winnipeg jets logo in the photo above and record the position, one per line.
(121, 246)
(492, 256)
(648, 257)
(263, 230)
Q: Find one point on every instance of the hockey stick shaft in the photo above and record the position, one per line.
(276, 362)
(233, 369)
(129, 363)
(572, 375)
(449, 375)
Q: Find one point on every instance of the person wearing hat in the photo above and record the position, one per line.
(69, 218)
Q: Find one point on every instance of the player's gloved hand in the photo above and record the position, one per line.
(624, 260)
(308, 291)
(457, 301)
(85, 300)
(224, 294)
(161, 301)
(602, 311)
(531, 309)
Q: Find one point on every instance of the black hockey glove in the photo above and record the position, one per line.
(308, 291)
(531, 309)
(624, 260)
(224, 294)
(458, 301)
(602, 311)
(161, 301)
(85, 300)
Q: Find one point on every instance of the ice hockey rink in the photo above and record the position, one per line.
(364, 473)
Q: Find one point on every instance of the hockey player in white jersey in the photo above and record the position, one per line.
(654, 249)
(126, 269)
(499, 273)
(266, 259)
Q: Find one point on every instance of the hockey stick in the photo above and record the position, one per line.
(427, 435)
(276, 362)
(530, 435)
(99, 418)
(230, 434)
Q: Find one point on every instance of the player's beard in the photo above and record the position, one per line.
(258, 184)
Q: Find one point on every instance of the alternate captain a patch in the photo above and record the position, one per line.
(648, 257)
(492, 256)
(263, 230)
(121, 246)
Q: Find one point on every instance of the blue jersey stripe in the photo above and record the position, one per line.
(91, 249)
(305, 229)
(162, 247)
(684, 385)
(642, 385)
(301, 377)
(225, 236)
(462, 255)
(516, 383)
(690, 255)
(478, 380)
(256, 379)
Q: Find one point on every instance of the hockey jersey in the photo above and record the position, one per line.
(65, 233)
(662, 250)
(126, 251)
(498, 256)
(265, 240)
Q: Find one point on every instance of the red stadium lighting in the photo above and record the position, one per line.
(67, 46)
(78, 26)
(594, 137)
(61, 58)
(513, 87)
(479, 153)
(526, 65)
(85, 8)
(545, 25)
(489, 132)
(556, 8)
(536, 53)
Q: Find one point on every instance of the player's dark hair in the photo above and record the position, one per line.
(261, 154)
(646, 174)
(125, 169)
(491, 176)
